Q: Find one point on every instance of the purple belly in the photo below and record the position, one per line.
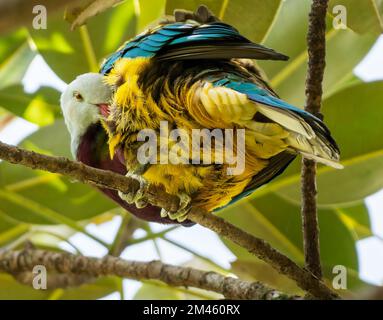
(89, 153)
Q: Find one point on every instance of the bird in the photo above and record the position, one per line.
(189, 72)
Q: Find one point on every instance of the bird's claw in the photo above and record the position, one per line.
(183, 209)
(139, 197)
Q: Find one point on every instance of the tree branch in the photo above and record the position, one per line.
(94, 8)
(55, 281)
(5, 120)
(373, 294)
(156, 196)
(128, 225)
(71, 269)
(316, 42)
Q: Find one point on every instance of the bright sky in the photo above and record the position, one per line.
(199, 239)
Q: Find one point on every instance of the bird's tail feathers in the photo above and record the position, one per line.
(325, 161)
(316, 149)
(307, 135)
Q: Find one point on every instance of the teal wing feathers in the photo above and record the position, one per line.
(185, 41)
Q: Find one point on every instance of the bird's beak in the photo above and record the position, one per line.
(104, 109)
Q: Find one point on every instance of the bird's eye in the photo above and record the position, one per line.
(78, 96)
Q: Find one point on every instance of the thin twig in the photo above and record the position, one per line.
(196, 254)
(129, 224)
(6, 120)
(94, 8)
(151, 236)
(372, 294)
(80, 268)
(88, 49)
(157, 196)
(316, 42)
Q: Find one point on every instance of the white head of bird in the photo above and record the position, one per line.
(81, 102)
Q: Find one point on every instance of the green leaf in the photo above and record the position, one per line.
(253, 24)
(16, 55)
(11, 233)
(149, 11)
(13, 290)
(355, 286)
(41, 107)
(95, 290)
(345, 50)
(257, 221)
(9, 43)
(11, 229)
(358, 133)
(252, 18)
(51, 236)
(44, 192)
(362, 16)
(69, 53)
(12, 71)
(5, 224)
(348, 81)
(279, 223)
(357, 219)
(158, 291)
(3, 113)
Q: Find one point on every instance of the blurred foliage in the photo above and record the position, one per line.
(49, 209)
(10, 290)
(16, 54)
(362, 16)
(32, 196)
(40, 107)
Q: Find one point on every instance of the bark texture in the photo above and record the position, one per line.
(316, 42)
(70, 270)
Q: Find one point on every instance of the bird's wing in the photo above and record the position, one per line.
(309, 135)
(186, 41)
(230, 99)
(277, 164)
(275, 130)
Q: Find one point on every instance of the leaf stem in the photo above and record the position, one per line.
(13, 233)
(88, 48)
(206, 259)
(223, 9)
(56, 294)
(152, 236)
